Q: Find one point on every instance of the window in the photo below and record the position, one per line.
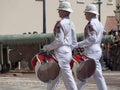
(62, 0)
(110, 2)
(95, 1)
(81, 1)
(38, 0)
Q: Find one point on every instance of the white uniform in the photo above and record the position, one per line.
(93, 36)
(65, 39)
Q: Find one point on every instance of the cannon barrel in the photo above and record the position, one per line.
(39, 38)
(24, 39)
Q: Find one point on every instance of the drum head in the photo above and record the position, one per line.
(46, 66)
(48, 71)
(86, 69)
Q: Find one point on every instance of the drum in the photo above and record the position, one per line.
(85, 67)
(45, 66)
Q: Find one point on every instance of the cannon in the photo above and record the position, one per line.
(15, 47)
(10, 43)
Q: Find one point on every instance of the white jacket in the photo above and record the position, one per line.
(65, 36)
(93, 37)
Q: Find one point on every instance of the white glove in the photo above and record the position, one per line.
(45, 47)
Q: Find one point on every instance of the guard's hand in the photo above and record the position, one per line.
(45, 47)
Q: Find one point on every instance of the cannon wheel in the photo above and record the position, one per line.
(0, 67)
(5, 67)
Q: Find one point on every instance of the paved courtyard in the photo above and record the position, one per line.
(28, 81)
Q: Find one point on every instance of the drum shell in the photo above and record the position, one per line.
(46, 70)
(86, 66)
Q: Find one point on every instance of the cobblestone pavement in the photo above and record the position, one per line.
(25, 81)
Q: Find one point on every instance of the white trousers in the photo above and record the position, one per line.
(65, 73)
(98, 77)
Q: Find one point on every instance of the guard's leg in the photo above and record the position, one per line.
(99, 79)
(68, 79)
(81, 84)
(66, 72)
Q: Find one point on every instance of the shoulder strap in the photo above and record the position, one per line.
(68, 30)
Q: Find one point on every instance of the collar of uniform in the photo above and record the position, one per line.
(67, 17)
(92, 19)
